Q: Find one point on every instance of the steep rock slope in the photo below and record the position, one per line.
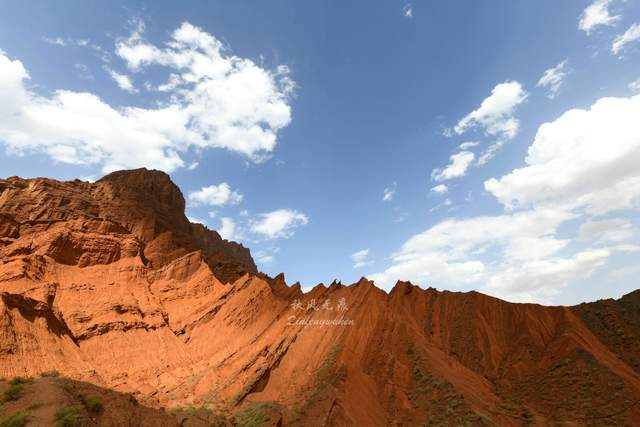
(108, 283)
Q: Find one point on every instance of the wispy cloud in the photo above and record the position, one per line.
(553, 78)
(361, 258)
(630, 36)
(407, 10)
(122, 80)
(389, 192)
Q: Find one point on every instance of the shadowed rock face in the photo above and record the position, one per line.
(110, 284)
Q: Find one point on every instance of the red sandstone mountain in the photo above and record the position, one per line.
(108, 283)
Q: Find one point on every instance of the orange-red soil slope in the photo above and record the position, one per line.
(108, 283)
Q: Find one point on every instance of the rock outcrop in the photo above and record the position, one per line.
(108, 283)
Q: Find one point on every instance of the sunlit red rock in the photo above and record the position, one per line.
(109, 283)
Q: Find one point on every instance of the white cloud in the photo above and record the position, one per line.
(389, 192)
(495, 114)
(360, 258)
(122, 80)
(628, 247)
(215, 195)
(597, 14)
(440, 189)
(83, 71)
(407, 11)
(541, 280)
(280, 223)
(64, 42)
(585, 159)
(471, 251)
(446, 203)
(491, 152)
(609, 230)
(221, 101)
(197, 220)
(553, 78)
(635, 85)
(468, 145)
(578, 168)
(629, 36)
(227, 229)
(263, 257)
(459, 163)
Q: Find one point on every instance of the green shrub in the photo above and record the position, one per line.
(93, 404)
(20, 380)
(253, 415)
(67, 416)
(18, 419)
(35, 406)
(13, 392)
(53, 373)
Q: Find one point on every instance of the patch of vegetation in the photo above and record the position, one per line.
(254, 415)
(93, 404)
(202, 413)
(13, 392)
(18, 419)
(52, 374)
(67, 416)
(410, 349)
(437, 396)
(20, 380)
(35, 406)
(327, 375)
(192, 410)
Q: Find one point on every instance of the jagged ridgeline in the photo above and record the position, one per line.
(110, 287)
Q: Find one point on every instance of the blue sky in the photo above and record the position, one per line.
(327, 136)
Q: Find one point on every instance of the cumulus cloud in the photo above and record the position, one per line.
(215, 195)
(629, 36)
(459, 252)
(580, 167)
(597, 14)
(543, 279)
(553, 78)
(635, 85)
(585, 159)
(440, 189)
(496, 113)
(277, 224)
(389, 192)
(459, 163)
(122, 80)
(360, 258)
(216, 100)
(227, 229)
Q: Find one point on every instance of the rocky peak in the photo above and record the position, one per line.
(143, 203)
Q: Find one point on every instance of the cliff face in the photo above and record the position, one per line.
(127, 213)
(109, 283)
